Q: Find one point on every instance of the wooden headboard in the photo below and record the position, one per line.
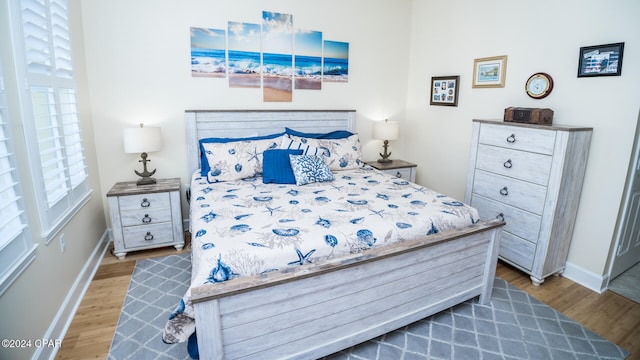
(244, 123)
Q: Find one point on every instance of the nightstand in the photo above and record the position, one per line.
(145, 217)
(398, 168)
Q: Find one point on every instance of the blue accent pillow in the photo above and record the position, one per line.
(309, 169)
(338, 134)
(276, 166)
(204, 164)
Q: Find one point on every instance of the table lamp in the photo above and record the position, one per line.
(385, 130)
(143, 139)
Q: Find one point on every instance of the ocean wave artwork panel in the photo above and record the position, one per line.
(308, 72)
(336, 61)
(208, 53)
(244, 69)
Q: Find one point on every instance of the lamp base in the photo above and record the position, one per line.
(385, 155)
(146, 181)
(145, 175)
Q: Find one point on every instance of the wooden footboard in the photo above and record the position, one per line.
(315, 310)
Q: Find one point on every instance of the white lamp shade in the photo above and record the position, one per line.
(142, 139)
(385, 130)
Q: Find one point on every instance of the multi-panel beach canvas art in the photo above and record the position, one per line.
(272, 55)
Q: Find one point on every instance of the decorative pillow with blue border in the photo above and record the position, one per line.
(236, 160)
(340, 154)
(276, 167)
(310, 169)
(204, 164)
(337, 134)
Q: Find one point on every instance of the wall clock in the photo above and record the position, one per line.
(539, 85)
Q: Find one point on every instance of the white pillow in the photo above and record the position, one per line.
(340, 154)
(236, 160)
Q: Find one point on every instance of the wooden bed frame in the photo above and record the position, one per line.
(301, 313)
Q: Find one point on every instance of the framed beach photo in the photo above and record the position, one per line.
(489, 72)
(600, 60)
(444, 90)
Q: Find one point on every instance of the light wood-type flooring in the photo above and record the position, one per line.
(610, 315)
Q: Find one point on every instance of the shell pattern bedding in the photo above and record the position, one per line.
(247, 227)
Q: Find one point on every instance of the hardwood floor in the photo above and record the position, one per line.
(610, 315)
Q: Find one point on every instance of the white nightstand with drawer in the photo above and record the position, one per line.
(398, 168)
(146, 216)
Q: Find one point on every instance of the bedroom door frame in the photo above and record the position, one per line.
(626, 251)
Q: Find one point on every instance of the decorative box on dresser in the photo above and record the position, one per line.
(145, 216)
(398, 168)
(530, 175)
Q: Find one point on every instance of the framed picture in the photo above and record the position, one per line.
(600, 60)
(444, 90)
(489, 72)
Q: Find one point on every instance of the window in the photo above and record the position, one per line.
(16, 248)
(49, 111)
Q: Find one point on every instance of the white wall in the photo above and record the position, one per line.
(138, 61)
(542, 35)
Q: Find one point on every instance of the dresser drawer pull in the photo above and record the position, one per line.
(148, 237)
(500, 217)
(146, 219)
(512, 138)
(145, 203)
(504, 191)
(507, 164)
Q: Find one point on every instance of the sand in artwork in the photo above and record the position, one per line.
(277, 88)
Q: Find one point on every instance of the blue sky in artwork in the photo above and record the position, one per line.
(308, 43)
(277, 32)
(244, 36)
(336, 49)
(202, 38)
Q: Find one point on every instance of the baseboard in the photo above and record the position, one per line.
(62, 320)
(586, 278)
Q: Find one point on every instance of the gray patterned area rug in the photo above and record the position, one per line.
(513, 326)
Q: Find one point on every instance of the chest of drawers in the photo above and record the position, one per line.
(145, 217)
(530, 175)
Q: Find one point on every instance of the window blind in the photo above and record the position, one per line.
(55, 126)
(16, 248)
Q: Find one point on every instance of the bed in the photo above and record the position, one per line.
(380, 261)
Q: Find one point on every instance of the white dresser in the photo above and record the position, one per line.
(530, 175)
(145, 216)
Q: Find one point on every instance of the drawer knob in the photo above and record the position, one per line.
(507, 164)
(145, 203)
(512, 138)
(148, 237)
(398, 174)
(146, 219)
(500, 217)
(504, 191)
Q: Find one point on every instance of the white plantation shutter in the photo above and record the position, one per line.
(51, 120)
(16, 248)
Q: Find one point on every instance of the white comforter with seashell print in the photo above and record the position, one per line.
(246, 227)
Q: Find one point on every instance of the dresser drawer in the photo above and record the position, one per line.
(518, 222)
(146, 235)
(402, 173)
(145, 216)
(144, 201)
(516, 250)
(519, 138)
(517, 193)
(518, 164)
